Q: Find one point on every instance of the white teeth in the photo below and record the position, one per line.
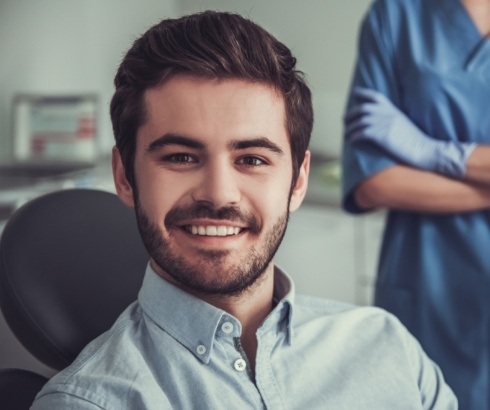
(212, 230)
(221, 231)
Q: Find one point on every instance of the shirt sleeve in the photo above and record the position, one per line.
(375, 69)
(435, 394)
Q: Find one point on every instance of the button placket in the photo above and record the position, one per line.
(239, 364)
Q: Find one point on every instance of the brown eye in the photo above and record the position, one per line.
(252, 161)
(179, 158)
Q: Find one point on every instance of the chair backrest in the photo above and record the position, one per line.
(18, 388)
(70, 263)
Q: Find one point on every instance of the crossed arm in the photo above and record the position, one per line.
(409, 189)
(440, 176)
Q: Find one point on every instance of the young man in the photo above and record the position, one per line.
(212, 124)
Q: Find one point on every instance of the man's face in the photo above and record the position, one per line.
(213, 175)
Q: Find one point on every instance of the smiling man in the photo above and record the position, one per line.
(212, 123)
(213, 147)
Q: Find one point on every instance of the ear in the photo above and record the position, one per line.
(299, 190)
(123, 187)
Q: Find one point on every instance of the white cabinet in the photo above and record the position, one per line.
(369, 233)
(318, 252)
(332, 254)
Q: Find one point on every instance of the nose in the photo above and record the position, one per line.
(219, 185)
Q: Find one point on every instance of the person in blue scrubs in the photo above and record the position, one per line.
(417, 141)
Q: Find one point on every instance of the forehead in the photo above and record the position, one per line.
(214, 111)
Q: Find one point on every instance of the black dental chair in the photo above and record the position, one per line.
(70, 262)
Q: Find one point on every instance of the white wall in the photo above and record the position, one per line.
(63, 46)
(68, 46)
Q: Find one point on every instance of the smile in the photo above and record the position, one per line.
(212, 230)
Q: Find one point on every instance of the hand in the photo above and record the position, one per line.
(377, 120)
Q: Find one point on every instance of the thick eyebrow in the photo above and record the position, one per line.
(174, 139)
(260, 142)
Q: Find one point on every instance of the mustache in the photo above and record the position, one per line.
(201, 210)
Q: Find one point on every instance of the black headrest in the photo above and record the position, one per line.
(18, 388)
(70, 263)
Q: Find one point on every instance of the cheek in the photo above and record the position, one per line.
(272, 199)
(155, 198)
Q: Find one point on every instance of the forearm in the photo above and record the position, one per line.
(409, 189)
(478, 166)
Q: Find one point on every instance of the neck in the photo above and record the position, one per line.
(479, 11)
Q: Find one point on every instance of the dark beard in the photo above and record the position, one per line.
(238, 277)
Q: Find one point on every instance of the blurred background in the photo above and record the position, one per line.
(66, 52)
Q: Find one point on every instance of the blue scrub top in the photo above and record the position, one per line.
(429, 58)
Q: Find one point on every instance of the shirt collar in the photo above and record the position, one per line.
(284, 294)
(195, 323)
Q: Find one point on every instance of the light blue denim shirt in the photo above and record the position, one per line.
(170, 350)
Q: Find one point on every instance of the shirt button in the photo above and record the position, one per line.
(227, 327)
(240, 365)
(201, 349)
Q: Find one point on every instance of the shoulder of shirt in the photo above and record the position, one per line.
(84, 379)
(395, 4)
(324, 306)
(369, 326)
(317, 303)
(387, 19)
(310, 308)
(394, 8)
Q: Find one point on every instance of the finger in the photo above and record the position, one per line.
(360, 110)
(364, 135)
(367, 94)
(353, 113)
(359, 125)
